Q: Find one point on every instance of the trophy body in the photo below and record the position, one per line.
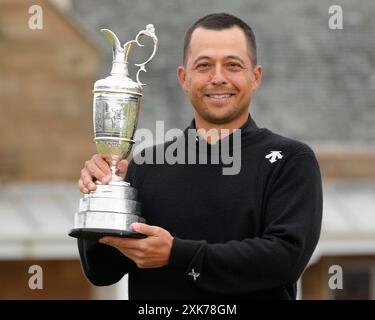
(113, 207)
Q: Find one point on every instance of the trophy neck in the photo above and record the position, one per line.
(119, 69)
(115, 177)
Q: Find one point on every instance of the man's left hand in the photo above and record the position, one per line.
(150, 252)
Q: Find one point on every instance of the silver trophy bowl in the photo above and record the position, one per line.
(112, 208)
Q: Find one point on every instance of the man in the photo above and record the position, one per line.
(248, 235)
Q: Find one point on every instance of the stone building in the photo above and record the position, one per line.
(45, 91)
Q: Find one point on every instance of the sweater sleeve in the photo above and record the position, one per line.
(102, 264)
(292, 221)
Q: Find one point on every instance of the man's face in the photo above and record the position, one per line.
(219, 76)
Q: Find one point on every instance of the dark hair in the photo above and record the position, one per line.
(220, 21)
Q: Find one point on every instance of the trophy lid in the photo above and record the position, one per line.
(119, 80)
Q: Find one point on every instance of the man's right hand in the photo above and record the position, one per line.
(98, 168)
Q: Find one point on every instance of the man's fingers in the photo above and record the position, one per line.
(94, 168)
(122, 167)
(81, 186)
(121, 242)
(145, 229)
(87, 180)
(102, 165)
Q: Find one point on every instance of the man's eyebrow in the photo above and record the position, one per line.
(227, 58)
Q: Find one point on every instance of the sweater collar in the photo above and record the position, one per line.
(247, 129)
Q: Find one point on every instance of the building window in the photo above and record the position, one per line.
(356, 284)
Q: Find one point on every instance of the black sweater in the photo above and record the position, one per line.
(244, 236)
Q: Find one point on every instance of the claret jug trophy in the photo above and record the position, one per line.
(113, 207)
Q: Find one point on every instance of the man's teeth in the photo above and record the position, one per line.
(219, 96)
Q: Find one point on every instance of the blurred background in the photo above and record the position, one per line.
(317, 87)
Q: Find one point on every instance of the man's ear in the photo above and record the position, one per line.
(257, 74)
(181, 75)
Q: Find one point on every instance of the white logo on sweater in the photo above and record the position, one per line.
(194, 274)
(273, 156)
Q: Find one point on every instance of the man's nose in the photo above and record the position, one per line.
(218, 77)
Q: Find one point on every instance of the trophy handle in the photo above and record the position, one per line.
(149, 31)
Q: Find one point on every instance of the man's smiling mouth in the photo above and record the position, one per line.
(220, 96)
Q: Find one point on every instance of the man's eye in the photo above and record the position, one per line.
(234, 66)
(203, 66)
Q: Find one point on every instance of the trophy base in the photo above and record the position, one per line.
(108, 211)
(97, 233)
